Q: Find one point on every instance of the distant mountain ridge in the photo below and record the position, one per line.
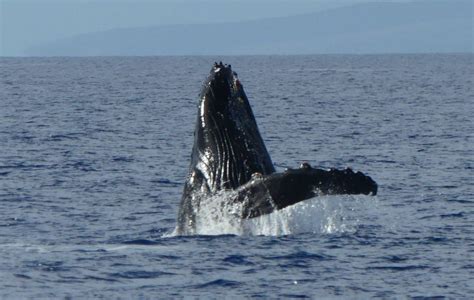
(415, 27)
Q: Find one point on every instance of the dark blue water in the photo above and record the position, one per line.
(94, 153)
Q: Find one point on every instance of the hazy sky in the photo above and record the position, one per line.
(24, 23)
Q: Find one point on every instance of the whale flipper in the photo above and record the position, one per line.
(279, 190)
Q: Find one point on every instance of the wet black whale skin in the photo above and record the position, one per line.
(229, 154)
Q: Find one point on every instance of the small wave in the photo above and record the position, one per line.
(166, 182)
(437, 240)
(142, 242)
(461, 201)
(400, 268)
(23, 166)
(237, 260)
(297, 296)
(82, 166)
(62, 137)
(395, 258)
(453, 215)
(22, 276)
(96, 278)
(122, 159)
(140, 274)
(218, 283)
(301, 255)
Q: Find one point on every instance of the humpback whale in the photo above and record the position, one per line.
(229, 155)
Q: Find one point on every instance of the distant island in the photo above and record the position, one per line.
(413, 27)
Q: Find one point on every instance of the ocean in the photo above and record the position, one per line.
(94, 153)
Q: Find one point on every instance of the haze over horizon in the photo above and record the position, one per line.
(30, 26)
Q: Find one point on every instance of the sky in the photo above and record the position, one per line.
(25, 23)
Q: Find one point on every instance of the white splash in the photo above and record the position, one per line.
(320, 215)
(218, 215)
(323, 214)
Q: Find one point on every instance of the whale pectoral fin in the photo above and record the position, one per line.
(280, 190)
(256, 199)
(348, 182)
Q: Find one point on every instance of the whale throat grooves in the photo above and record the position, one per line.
(227, 138)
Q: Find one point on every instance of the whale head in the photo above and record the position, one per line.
(228, 147)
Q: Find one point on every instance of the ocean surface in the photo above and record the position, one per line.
(94, 153)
